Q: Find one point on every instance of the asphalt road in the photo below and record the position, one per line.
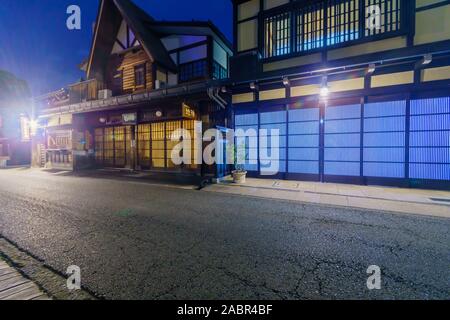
(139, 241)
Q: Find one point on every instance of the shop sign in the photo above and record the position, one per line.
(25, 128)
(60, 140)
(129, 118)
(188, 112)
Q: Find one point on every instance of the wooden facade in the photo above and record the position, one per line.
(386, 100)
(145, 80)
(121, 72)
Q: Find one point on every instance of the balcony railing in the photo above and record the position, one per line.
(85, 91)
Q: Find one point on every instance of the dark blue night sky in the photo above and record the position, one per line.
(36, 46)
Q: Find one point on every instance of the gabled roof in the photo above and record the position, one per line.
(146, 29)
(111, 13)
(136, 19)
(190, 28)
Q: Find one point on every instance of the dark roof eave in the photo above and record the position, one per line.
(151, 43)
(204, 24)
(128, 100)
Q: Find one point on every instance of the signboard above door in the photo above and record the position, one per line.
(188, 112)
(129, 118)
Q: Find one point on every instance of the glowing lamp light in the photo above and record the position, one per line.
(33, 127)
(28, 128)
(427, 59)
(371, 69)
(324, 89)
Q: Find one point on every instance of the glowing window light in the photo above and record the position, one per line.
(25, 128)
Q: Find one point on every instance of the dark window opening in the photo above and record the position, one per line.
(139, 75)
(118, 82)
(193, 70)
(219, 72)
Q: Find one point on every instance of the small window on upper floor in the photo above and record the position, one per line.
(277, 35)
(139, 75)
(117, 82)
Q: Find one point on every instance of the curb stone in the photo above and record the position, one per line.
(49, 281)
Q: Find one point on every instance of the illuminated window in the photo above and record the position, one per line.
(158, 145)
(310, 28)
(171, 127)
(120, 146)
(190, 126)
(382, 16)
(343, 22)
(99, 141)
(277, 35)
(108, 147)
(144, 146)
(323, 24)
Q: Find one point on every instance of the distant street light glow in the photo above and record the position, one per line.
(33, 127)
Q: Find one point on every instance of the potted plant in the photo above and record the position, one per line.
(239, 174)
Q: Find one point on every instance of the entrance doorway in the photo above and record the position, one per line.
(113, 147)
(155, 145)
(223, 167)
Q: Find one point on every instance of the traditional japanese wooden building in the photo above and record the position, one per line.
(145, 79)
(359, 89)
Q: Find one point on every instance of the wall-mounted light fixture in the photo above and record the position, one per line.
(223, 89)
(371, 69)
(253, 85)
(102, 120)
(286, 82)
(427, 59)
(324, 89)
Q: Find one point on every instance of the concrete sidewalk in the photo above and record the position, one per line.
(413, 201)
(13, 286)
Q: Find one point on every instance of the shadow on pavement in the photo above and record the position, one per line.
(163, 178)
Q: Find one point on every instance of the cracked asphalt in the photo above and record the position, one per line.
(135, 240)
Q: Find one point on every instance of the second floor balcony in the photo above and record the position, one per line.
(85, 91)
(299, 29)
